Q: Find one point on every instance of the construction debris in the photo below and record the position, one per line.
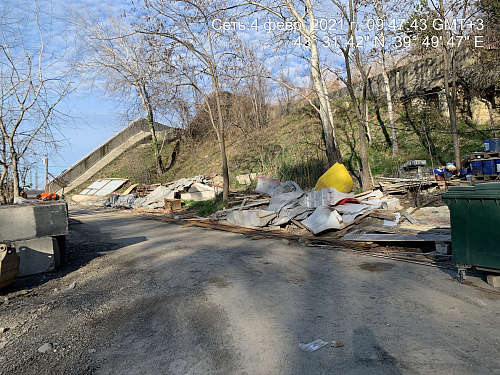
(330, 212)
(197, 188)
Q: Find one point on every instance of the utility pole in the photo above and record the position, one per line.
(46, 161)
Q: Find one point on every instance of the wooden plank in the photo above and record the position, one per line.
(409, 217)
(348, 226)
(383, 214)
(241, 207)
(382, 237)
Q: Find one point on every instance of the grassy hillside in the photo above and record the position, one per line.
(291, 148)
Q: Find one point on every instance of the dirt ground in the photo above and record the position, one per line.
(145, 297)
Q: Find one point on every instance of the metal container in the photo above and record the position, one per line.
(494, 144)
(475, 226)
(489, 167)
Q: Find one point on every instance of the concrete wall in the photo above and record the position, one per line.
(135, 127)
(427, 76)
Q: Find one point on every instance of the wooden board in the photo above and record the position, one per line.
(483, 178)
(400, 237)
(485, 155)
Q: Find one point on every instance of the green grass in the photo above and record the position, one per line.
(208, 207)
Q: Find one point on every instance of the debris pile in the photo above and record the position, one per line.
(330, 209)
(315, 211)
(197, 188)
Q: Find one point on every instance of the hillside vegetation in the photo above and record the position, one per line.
(291, 147)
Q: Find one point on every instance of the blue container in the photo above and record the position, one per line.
(494, 144)
(489, 167)
(486, 145)
(439, 171)
(477, 168)
(463, 171)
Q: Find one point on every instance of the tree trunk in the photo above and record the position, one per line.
(363, 148)
(451, 101)
(390, 111)
(143, 92)
(325, 112)
(387, 83)
(3, 185)
(156, 148)
(221, 135)
(15, 174)
(225, 169)
(451, 97)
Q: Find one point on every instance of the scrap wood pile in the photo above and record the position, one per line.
(391, 185)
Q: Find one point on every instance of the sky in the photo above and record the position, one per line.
(90, 118)
(94, 116)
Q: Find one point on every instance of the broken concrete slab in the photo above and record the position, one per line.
(37, 256)
(250, 218)
(323, 218)
(124, 200)
(32, 221)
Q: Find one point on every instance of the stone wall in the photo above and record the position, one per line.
(478, 75)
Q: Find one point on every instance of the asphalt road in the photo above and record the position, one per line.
(145, 297)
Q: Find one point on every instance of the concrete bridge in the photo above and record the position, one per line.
(135, 133)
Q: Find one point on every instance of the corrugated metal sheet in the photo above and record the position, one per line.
(103, 186)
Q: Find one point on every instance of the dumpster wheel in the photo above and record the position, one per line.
(461, 276)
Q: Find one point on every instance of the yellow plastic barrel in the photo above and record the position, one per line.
(336, 177)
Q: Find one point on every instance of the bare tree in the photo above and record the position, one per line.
(352, 56)
(382, 15)
(113, 53)
(35, 75)
(302, 15)
(203, 56)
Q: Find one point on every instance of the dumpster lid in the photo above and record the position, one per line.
(488, 186)
(489, 190)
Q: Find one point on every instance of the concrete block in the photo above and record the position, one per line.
(443, 248)
(37, 256)
(23, 222)
(89, 200)
(494, 280)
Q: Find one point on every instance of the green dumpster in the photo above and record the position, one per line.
(475, 226)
